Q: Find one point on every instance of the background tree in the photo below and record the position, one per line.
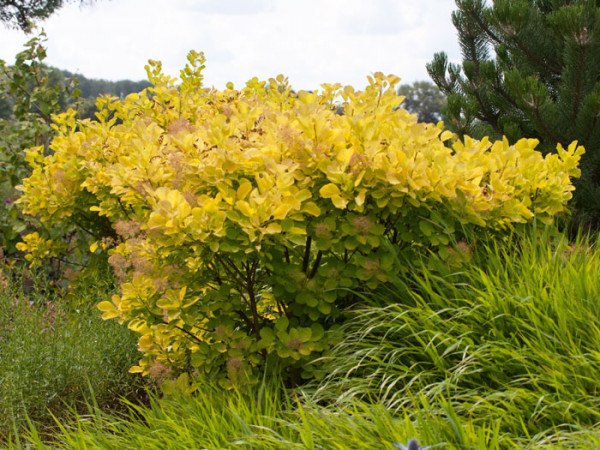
(91, 88)
(531, 68)
(31, 93)
(23, 13)
(424, 99)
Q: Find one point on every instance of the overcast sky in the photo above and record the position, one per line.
(310, 41)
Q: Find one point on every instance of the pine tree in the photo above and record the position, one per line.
(531, 68)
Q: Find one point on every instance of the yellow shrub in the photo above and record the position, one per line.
(234, 217)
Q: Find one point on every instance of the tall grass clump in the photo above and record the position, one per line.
(264, 416)
(496, 346)
(55, 351)
(511, 336)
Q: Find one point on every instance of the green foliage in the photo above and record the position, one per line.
(424, 99)
(31, 94)
(509, 338)
(237, 220)
(53, 351)
(24, 13)
(530, 69)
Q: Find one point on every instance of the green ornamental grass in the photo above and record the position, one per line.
(494, 347)
(511, 337)
(264, 417)
(54, 353)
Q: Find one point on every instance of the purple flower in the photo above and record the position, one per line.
(412, 444)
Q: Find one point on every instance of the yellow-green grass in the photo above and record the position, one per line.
(511, 338)
(496, 347)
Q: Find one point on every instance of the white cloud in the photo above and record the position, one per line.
(383, 17)
(225, 7)
(311, 42)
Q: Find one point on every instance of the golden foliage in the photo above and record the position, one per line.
(254, 206)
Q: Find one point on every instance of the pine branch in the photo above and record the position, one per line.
(533, 57)
(577, 96)
(544, 125)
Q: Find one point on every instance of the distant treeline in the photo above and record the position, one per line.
(90, 89)
(422, 97)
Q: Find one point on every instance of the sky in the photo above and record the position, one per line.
(309, 41)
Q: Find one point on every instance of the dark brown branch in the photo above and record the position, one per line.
(66, 261)
(78, 223)
(123, 208)
(245, 318)
(282, 308)
(306, 254)
(230, 267)
(315, 267)
(192, 335)
(253, 303)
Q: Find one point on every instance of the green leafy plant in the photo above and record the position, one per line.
(31, 95)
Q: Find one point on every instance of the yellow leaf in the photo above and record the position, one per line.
(273, 228)
(298, 230)
(108, 310)
(339, 202)
(446, 135)
(93, 247)
(145, 343)
(264, 184)
(136, 369)
(167, 303)
(245, 208)
(302, 195)
(312, 209)
(360, 198)
(244, 189)
(139, 326)
(156, 220)
(329, 190)
(281, 211)
(345, 155)
(116, 300)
